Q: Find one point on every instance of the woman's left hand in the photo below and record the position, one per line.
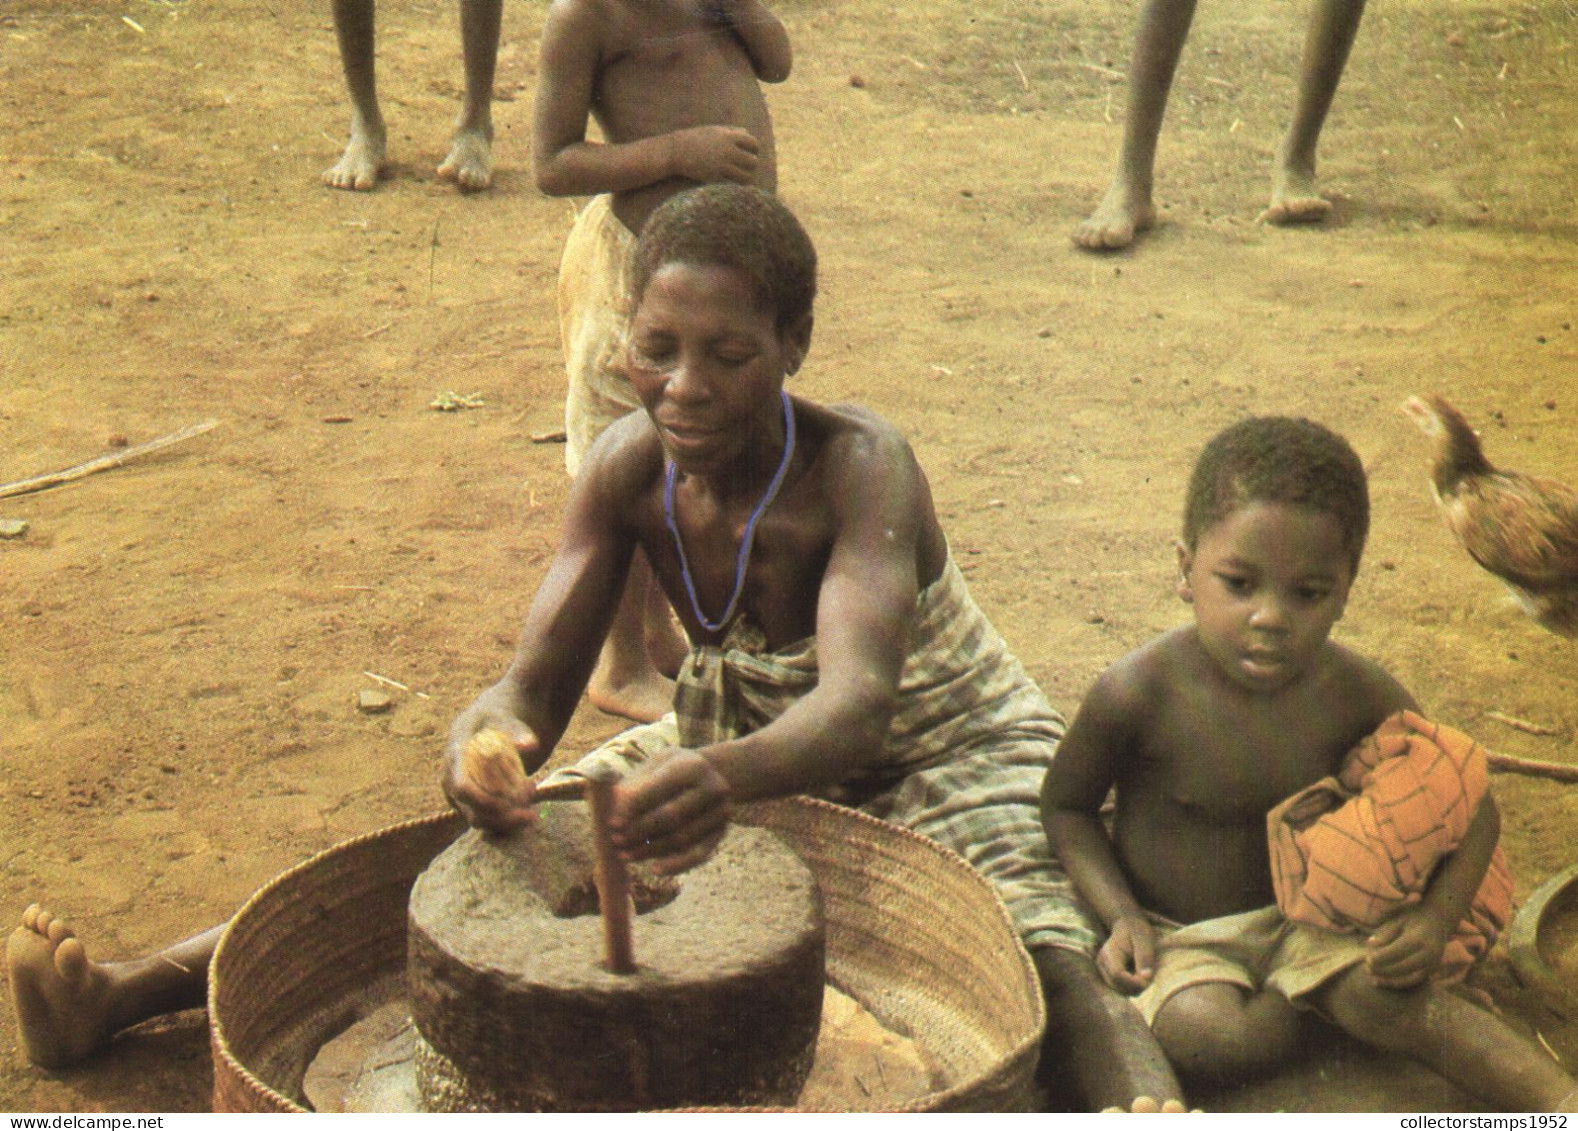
(671, 811)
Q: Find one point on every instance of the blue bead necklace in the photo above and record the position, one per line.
(742, 558)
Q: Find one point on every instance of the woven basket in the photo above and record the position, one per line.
(1528, 939)
(913, 933)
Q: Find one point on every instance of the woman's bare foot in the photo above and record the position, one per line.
(60, 997)
(470, 161)
(1295, 198)
(362, 163)
(1122, 214)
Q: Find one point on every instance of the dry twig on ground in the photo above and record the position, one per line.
(102, 463)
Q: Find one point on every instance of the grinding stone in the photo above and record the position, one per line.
(517, 1012)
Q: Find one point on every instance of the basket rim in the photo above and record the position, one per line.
(873, 828)
(217, 1038)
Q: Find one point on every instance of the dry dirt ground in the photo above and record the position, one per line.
(184, 637)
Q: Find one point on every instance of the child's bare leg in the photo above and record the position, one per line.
(363, 160)
(1295, 196)
(1225, 1034)
(665, 641)
(1097, 1043)
(470, 160)
(68, 1006)
(1128, 208)
(1462, 1042)
(627, 682)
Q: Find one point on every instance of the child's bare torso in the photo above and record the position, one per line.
(665, 67)
(1190, 826)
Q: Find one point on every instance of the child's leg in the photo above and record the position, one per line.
(470, 160)
(68, 1006)
(363, 160)
(1225, 1034)
(1127, 208)
(1294, 196)
(627, 681)
(1097, 1043)
(1462, 1042)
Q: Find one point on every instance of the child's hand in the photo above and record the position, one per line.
(671, 810)
(1127, 959)
(715, 153)
(1406, 949)
(484, 778)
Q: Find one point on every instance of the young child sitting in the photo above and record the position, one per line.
(674, 87)
(1206, 730)
(470, 161)
(1128, 208)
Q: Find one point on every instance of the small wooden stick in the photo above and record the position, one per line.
(1556, 771)
(1523, 724)
(613, 884)
(102, 463)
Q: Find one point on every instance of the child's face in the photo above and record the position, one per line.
(1267, 583)
(708, 364)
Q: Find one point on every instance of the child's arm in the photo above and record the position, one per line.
(1072, 793)
(1406, 949)
(567, 164)
(764, 38)
(569, 617)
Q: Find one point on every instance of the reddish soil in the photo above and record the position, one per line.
(186, 635)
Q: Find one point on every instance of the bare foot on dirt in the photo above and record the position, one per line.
(1122, 214)
(470, 161)
(60, 997)
(642, 700)
(1295, 199)
(1147, 1105)
(362, 163)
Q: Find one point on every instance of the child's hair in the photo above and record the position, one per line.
(1279, 459)
(737, 226)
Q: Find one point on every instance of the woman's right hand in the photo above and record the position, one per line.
(484, 777)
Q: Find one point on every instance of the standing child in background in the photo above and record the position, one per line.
(674, 87)
(1128, 207)
(1204, 731)
(470, 161)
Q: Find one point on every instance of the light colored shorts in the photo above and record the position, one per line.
(594, 322)
(1255, 950)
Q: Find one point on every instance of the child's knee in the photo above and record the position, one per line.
(1223, 1031)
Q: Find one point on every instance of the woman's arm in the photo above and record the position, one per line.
(532, 702)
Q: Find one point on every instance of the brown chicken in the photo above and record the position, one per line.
(1522, 528)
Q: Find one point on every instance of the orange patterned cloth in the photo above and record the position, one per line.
(1349, 850)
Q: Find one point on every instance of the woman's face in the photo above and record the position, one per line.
(708, 363)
